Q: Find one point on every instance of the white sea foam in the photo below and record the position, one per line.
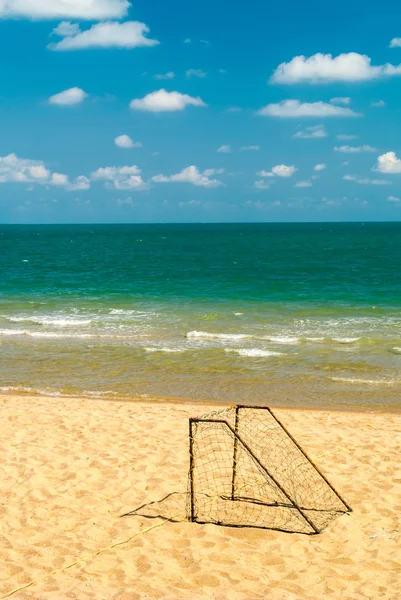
(367, 381)
(58, 321)
(282, 339)
(53, 334)
(346, 340)
(218, 336)
(155, 349)
(254, 352)
(396, 350)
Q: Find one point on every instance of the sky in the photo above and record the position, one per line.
(114, 111)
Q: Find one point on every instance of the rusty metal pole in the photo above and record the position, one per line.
(234, 478)
(191, 469)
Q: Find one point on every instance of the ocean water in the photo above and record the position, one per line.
(297, 314)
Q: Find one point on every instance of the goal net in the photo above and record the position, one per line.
(246, 469)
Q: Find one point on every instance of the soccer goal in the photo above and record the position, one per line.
(246, 469)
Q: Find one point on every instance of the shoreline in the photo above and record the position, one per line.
(174, 400)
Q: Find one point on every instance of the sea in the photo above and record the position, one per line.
(301, 314)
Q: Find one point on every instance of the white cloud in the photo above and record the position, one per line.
(169, 75)
(249, 148)
(234, 109)
(131, 34)
(121, 178)
(59, 179)
(165, 101)
(345, 137)
(64, 9)
(388, 163)
(341, 100)
(317, 131)
(354, 149)
(264, 173)
(192, 175)
(69, 97)
(124, 141)
(319, 167)
(80, 183)
(395, 43)
(66, 28)
(303, 184)
(284, 170)
(295, 108)
(196, 73)
(25, 170)
(225, 148)
(393, 199)
(323, 68)
(366, 181)
(279, 171)
(378, 104)
(261, 185)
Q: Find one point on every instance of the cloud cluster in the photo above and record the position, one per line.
(225, 149)
(296, 109)
(69, 97)
(64, 9)
(25, 170)
(319, 167)
(341, 100)
(120, 178)
(366, 180)
(163, 101)
(303, 184)
(354, 149)
(324, 68)
(279, 171)
(131, 34)
(124, 141)
(168, 75)
(192, 175)
(388, 163)
(196, 73)
(315, 132)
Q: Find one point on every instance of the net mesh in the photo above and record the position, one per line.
(247, 470)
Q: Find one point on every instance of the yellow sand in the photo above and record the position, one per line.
(71, 467)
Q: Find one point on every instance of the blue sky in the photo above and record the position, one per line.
(113, 111)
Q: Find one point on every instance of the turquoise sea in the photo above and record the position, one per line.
(297, 314)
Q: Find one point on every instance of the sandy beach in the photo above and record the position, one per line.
(71, 467)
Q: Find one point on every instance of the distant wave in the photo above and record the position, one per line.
(282, 339)
(155, 349)
(53, 334)
(254, 352)
(218, 336)
(367, 381)
(55, 393)
(58, 321)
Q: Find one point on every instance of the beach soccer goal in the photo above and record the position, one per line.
(246, 470)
